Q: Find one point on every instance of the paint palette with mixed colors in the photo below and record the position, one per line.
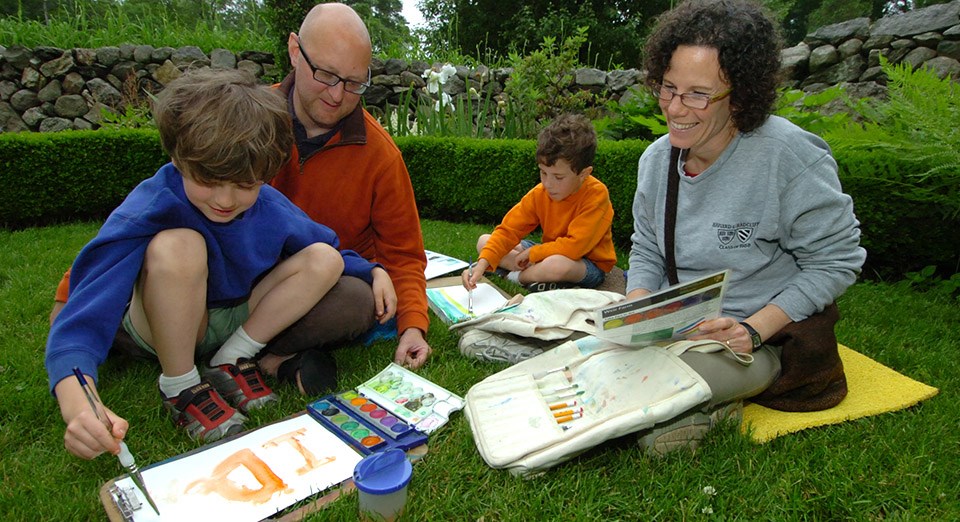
(364, 424)
(419, 402)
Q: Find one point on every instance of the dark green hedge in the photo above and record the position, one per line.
(904, 222)
(48, 178)
(51, 177)
(462, 179)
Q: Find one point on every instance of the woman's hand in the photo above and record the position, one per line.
(728, 331)
(767, 321)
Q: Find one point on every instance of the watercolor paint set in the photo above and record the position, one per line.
(414, 399)
(395, 409)
(363, 424)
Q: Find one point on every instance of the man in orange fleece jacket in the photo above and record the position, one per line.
(347, 173)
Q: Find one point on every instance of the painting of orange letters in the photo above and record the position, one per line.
(250, 477)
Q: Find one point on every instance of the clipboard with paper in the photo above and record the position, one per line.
(670, 314)
(447, 298)
(251, 476)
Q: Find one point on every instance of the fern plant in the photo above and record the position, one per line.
(917, 123)
(804, 109)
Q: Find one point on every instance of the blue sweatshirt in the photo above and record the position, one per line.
(238, 254)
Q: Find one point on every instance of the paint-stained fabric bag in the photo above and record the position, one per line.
(550, 408)
(551, 315)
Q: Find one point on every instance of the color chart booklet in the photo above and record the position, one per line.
(673, 313)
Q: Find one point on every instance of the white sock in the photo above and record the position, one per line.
(172, 386)
(239, 345)
(514, 276)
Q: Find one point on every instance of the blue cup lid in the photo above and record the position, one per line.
(383, 472)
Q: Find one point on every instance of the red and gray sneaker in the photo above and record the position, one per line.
(203, 414)
(240, 384)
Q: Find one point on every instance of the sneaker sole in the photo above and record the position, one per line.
(477, 345)
(687, 432)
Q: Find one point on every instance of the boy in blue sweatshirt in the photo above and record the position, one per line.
(202, 261)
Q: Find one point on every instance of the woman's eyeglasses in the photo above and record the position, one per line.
(694, 100)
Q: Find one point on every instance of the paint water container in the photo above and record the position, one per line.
(381, 479)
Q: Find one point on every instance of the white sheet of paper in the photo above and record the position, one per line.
(453, 300)
(440, 264)
(248, 478)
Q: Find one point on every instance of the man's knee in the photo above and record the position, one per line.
(351, 302)
(355, 297)
(345, 313)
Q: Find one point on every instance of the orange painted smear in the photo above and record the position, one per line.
(311, 462)
(270, 484)
(219, 483)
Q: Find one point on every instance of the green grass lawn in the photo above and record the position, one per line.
(900, 466)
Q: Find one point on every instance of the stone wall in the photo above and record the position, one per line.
(49, 89)
(848, 53)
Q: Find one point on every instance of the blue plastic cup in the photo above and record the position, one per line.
(381, 479)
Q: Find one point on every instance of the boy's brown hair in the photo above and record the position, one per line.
(569, 137)
(220, 125)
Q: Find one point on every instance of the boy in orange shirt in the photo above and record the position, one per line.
(571, 206)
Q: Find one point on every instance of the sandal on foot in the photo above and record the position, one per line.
(317, 370)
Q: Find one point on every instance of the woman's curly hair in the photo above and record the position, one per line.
(746, 39)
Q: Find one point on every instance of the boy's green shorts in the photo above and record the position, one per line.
(221, 323)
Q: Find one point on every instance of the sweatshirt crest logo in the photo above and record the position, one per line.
(725, 235)
(739, 235)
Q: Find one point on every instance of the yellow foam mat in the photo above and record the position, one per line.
(872, 389)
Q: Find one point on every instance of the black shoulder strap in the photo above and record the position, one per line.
(670, 216)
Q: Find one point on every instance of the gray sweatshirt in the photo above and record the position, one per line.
(770, 210)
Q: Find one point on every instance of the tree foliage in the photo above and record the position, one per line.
(487, 29)
(389, 33)
(229, 13)
(483, 28)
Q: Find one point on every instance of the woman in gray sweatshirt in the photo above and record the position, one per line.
(755, 195)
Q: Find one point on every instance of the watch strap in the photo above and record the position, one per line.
(754, 335)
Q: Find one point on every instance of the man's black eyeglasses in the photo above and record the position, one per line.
(329, 79)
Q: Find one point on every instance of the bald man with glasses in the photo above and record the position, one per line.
(347, 173)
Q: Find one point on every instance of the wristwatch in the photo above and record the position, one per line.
(754, 335)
